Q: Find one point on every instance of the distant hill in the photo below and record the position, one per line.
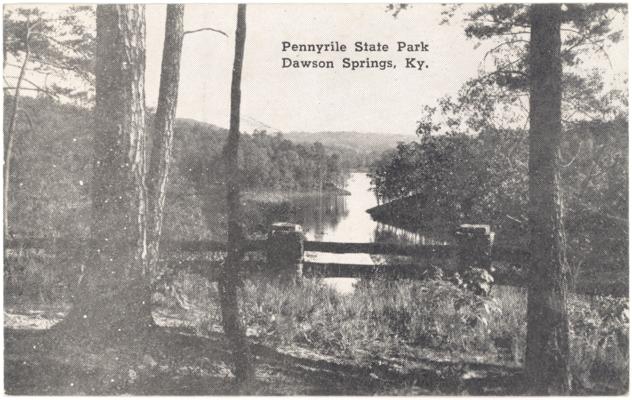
(52, 162)
(358, 151)
(358, 142)
(352, 140)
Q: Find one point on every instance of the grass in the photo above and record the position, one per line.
(396, 322)
(382, 324)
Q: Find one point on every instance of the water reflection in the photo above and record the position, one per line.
(346, 218)
(320, 215)
(390, 234)
(336, 218)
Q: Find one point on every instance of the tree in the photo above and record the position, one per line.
(536, 65)
(113, 297)
(162, 141)
(29, 40)
(526, 64)
(229, 279)
(12, 118)
(547, 363)
(498, 97)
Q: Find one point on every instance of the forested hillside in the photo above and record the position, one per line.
(360, 150)
(358, 141)
(483, 179)
(52, 169)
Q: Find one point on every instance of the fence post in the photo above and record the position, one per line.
(474, 244)
(285, 251)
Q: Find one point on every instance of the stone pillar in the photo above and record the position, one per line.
(474, 244)
(285, 251)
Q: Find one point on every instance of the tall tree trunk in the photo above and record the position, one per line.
(162, 143)
(547, 356)
(8, 150)
(229, 280)
(113, 299)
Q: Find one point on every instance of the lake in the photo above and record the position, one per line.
(336, 218)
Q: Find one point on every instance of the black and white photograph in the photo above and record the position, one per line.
(295, 199)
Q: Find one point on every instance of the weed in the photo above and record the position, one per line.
(383, 319)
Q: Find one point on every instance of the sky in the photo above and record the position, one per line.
(286, 99)
(387, 101)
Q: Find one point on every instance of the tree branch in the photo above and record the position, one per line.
(579, 149)
(35, 87)
(28, 118)
(206, 29)
(29, 69)
(60, 43)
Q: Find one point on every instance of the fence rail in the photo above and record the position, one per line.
(510, 254)
(382, 248)
(473, 246)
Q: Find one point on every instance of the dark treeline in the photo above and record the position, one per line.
(50, 180)
(483, 179)
(267, 162)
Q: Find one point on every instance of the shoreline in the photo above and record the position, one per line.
(281, 195)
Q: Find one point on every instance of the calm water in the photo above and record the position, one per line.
(351, 224)
(344, 217)
(334, 218)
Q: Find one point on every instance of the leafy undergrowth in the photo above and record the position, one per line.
(407, 337)
(408, 325)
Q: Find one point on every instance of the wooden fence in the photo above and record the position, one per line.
(285, 252)
(285, 256)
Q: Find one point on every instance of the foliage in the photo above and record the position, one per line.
(358, 150)
(468, 178)
(588, 30)
(424, 314)
(432, 273)
(385, 320)
(33, 277)
(451, 166)
(267, 161)
(61, 45)
(459, 177)
(478, 280)
(600, 330)
(52, 171)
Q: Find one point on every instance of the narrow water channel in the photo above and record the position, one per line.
(354, 225)
(337, 218)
